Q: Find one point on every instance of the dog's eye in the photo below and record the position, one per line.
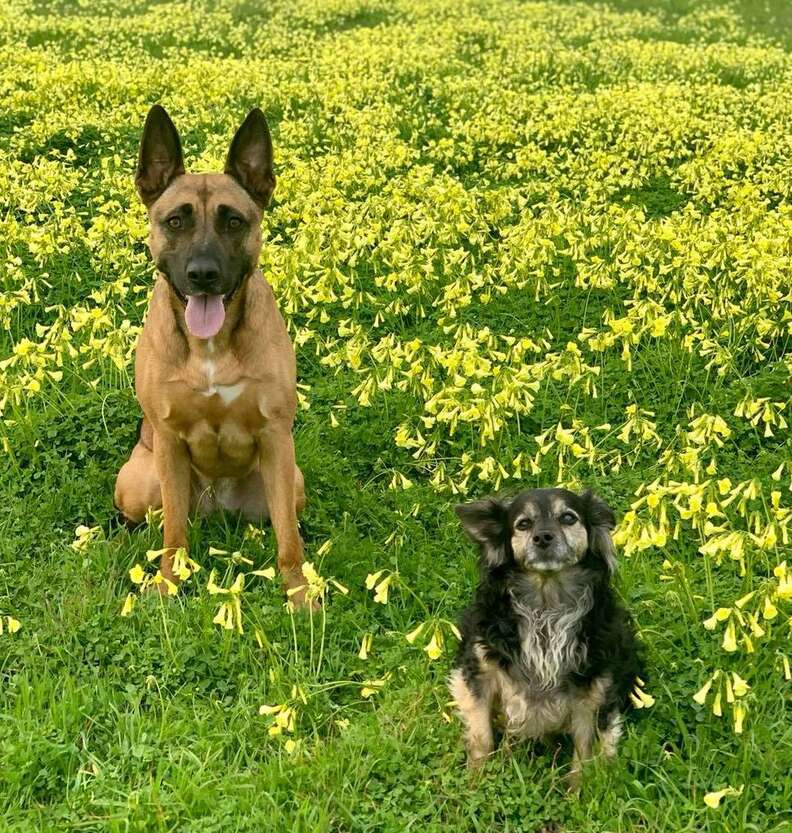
(524, 523)
(568, 519)
(234, 223)
(175, 222)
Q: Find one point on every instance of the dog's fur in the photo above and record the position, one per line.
(218, 411)
(545, 645)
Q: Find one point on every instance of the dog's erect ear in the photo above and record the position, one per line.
(250, 158)
(160, 160)
(487, 523)
(600, 521)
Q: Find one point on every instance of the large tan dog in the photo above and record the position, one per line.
(215, 370)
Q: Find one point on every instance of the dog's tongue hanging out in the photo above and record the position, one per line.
(204, 315)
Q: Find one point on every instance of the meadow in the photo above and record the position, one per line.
(516, 243)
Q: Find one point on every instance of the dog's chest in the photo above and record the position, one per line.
(533, 715)
(228, 393)
(220, 415)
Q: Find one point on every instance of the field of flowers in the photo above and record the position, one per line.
(515, 243)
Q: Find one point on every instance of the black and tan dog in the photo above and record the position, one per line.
(215, 369)
(546, 647)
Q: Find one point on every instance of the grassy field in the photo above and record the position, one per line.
(516, 243)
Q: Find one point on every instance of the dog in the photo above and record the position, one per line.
(215, 370)
(545, 645)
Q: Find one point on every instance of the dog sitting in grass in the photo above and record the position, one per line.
(546, 647)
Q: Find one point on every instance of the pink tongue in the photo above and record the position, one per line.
(204, 315)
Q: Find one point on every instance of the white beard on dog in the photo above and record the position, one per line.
(549, 637)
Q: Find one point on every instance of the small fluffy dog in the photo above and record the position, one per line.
(545, 645)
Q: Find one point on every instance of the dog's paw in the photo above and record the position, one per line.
(296, 590)
(475, 762)
(572, 780)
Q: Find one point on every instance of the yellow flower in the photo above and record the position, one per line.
(769, 611)
(137, 574)
(153, 555)
(414, 634)
(365, 646)
(738, 711)
(129, 604)
(267, 572)
(720, 615)
(381, 594)
(640, 698)
(701, 695)
(730, 638)
(740, 685)
(225, 616)
(741, 602)
(716, 705)
(434, 648)
(371, 687)
(171, 588)
(756, 629)
(212, 586)
(371, 579)
(84, 536)
(714, 799)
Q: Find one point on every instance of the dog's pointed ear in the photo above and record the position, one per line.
(250, 158)
(160, 160)
(487, 523)
(600, 521)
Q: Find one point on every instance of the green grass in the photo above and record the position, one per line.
(151, 723)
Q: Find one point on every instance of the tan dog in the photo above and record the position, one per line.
(215, 370)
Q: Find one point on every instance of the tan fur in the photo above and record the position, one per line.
(218, 412)
(476, 716)
(610, 736)
(575, 535)
(529, 715)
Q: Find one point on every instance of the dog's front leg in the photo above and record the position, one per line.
(583, 731)
(475, 710)
(172, 460)
(278, 468)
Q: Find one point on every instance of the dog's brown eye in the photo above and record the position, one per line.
(234, 223)
(524, 523)
(568, 518)
(175, 222)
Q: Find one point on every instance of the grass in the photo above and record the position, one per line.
(538, 169)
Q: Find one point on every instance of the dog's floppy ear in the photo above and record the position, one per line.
(487, 523)
(600, 521)
(250, 158)
(160, 160)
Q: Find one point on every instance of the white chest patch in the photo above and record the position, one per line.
(550, 639)
(228, 393)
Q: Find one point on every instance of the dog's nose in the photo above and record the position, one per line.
(543, 539)
(203, 273)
